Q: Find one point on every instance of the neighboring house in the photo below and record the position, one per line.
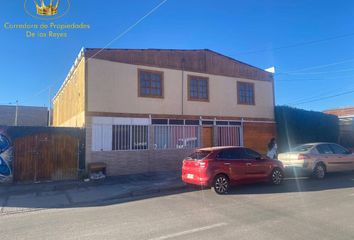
(144, 110)
(26, 116)
(346, 125)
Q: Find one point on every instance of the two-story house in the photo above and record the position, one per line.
(144, 110)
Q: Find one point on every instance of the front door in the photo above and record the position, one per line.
(207, 139)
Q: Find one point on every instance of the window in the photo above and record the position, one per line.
(129, 137)
(250, 154)
(120, 137)
(150, 83)
(159, 121)
(199, 155)
(245, 93)
(324, 149)
(338, 149)
(231, 154)
(198, 88)
(303, 148)
(176, 136)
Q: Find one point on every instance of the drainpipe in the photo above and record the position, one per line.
(182, 64)
(241, 133)
(49, 106)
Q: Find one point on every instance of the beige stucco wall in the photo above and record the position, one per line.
(69, 104)
(113, 88)
(77, 120)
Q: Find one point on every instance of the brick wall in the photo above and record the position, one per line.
(131, 162)
(257, 135)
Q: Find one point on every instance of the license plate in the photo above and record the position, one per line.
(190, 176)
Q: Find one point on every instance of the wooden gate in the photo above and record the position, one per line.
(45, 157)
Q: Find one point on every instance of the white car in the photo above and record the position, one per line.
(317, 159)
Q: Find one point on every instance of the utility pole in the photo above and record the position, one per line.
(49, 106)
(182, 65)
(16, 114)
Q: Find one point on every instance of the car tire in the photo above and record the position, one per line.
(221, 184)
(276, 176)
(319, 172)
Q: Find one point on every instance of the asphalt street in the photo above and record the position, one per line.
(299, 209)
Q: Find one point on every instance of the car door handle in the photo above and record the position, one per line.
(227, 163)
(248, 164)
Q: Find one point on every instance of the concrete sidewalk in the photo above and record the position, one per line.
(31, 197)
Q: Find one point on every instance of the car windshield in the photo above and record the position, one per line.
(199, 155)
(303, 148)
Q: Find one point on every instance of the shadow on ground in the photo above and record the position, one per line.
(17, 198)
(122, 190)
(299, 184)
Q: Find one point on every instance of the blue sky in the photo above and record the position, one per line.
(260, 32)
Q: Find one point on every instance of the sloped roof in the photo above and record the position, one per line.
(341, 112)
(202, 61)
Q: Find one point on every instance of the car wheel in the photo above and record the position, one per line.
(221, 184)
(319, 172)
(277, 176)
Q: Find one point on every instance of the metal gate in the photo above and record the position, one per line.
(45, 157)
(229, 136)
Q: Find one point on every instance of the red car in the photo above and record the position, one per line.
(221, 167)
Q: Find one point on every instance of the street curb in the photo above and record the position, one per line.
(19, 189)
(127, 196)
(134, 194)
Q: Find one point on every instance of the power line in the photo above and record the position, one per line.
(321, 66)
(310, 80)
(37, 93)
(320, 94)
(130, 27)
(28, 98)
(298, 44)
(314, 73)
(306, 79)
(111, 42)
(327, 97)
